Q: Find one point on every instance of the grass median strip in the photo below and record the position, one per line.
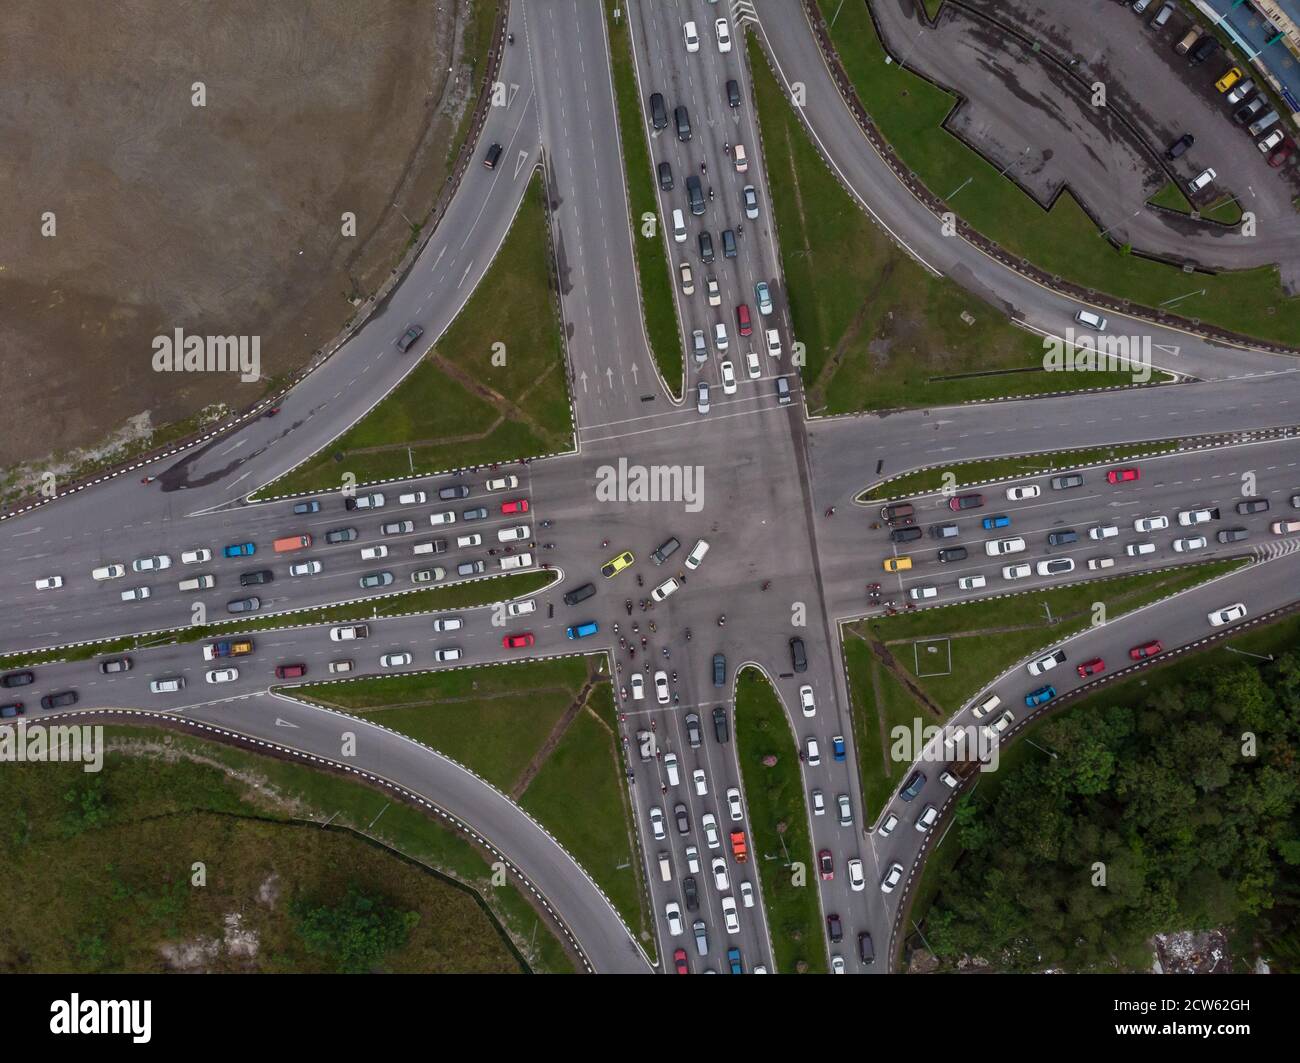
(879, 331)
(653, 267)
(909, 111)
(493, 388)
(778, 822)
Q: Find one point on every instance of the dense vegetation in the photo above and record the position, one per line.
(1184, 798)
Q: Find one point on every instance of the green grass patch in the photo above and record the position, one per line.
(924, 481)
(778, 821)
(652, 264)
(1172, 198)
(879, 331)
(463, 405)
(112, 854)
(1225, 209)
(909, 111)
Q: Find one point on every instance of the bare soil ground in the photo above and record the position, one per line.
(223, 219)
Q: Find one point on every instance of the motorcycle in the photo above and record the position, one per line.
(766, 583)
(640, 580)
(604, 543)
(622, 643)
(674, 677)
(546, 523)
(643, 642)
(666, 653)
(688, 634)
(616, 628)
(623, 691)
(627, 603)
(703, 169)
(676, 698)
(652, 626)
(722, 620)
(710, 191)
(548, 546)
(510, 38)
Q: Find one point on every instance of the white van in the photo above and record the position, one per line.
(169, 685)
(670, 768)
(1090, 320)
(412, 498)
(918, 594)
(665, 868)
(1202, 179)
(513, 561)
(696, 555)
(972, 583)
(523, 608)
(679, 226)
(198, 583)
(445, 517)
(986, 706)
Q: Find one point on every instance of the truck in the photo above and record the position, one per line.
(739, 848)
(227, 648)
(291, 542)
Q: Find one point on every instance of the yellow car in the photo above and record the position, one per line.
(1229, 79)
(897, 564)
(614, 567)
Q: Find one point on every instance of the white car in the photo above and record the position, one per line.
(1055, 566)
(1188, 517)
(196, 557)
(812, 752)
(304, 568)
(856, 881)
(715, 292)
(665, 589)
(992, 730)
(687, 278)
(1022, 491)
(1046, 662)
(719, 868)
(702, 397)
(1138, 549)
(692, 37)
(806, 701)
(735, 808)
(448, 653)
(108, 572)
(1150, 524)
(429, 575)
(728, 378)
(739, 157)
(1016, 571)
(673, 913)
(49, 583)
(720, 340)
(222, 675)
(502, 483)
(348, 633)
(661, 687)
(371, 553)
(892, 878)
(638, 686)
(747, 893)
(445, 517)
(997, 547)
(723, 32)
(730, 918)
(1103, 531)
(151, 564)
(709, 824)
(1227, 615)
(926, 819)
(701, 782)
(514, 534)
(696, 557)
(1191, 542)
(971, 583)
(448, 623)
(845, 810)
(752, 368)
(657, 823)
(395, 660)
(412, 498)
(818, 803)
(692, 860)
(773, 343)
(473, 539)
(522, 608)
(837, 964)
(136, 594)
(887, 828)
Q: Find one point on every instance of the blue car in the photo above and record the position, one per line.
(1040, 696)
(240, 550)
(1000, 521)
(733, 959)
(837, 747)
(581, 631)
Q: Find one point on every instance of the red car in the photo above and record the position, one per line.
(1281, 153)
(679, 958)
(959, 502)
(1147, 649)
(290, 671)
(515, 505)
(742, 319)
(1091, 667)
(518, 642)
(1122, 476)
(825, 866)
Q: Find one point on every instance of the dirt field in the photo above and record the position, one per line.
(223, 219)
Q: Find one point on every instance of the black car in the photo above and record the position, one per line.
(256, 578)
(692, 721)
(706, 246)
(905, 535)
(492, 157)
(719, 670)
(8, 712)
(665, 550)
(683, 119)
(477, 513)
(1203, 50)
(866, 951)
(798, 655)
(1179, 146)
(1252, 505)
(17, 679)
(914, 785)
(834, 929)
(244, 605)
(683, 820)
(59, 700)
(453, 491)
(952, 553)
(973, 501)
(408, 337)
(665, 177)
(310, 506)
(733, 92)
(580, 594)
(691, 893)
(340, 535)
(721, 730)
(113, 665)
(1073, 479)
(658, 113)
(1063, 537)
(1233, 535)
(695, 195)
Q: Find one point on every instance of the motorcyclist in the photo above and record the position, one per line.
(688, 634)
(722, 620)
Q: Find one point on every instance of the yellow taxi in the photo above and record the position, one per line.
(612, 568)
(1229, 79)
(897, 564)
